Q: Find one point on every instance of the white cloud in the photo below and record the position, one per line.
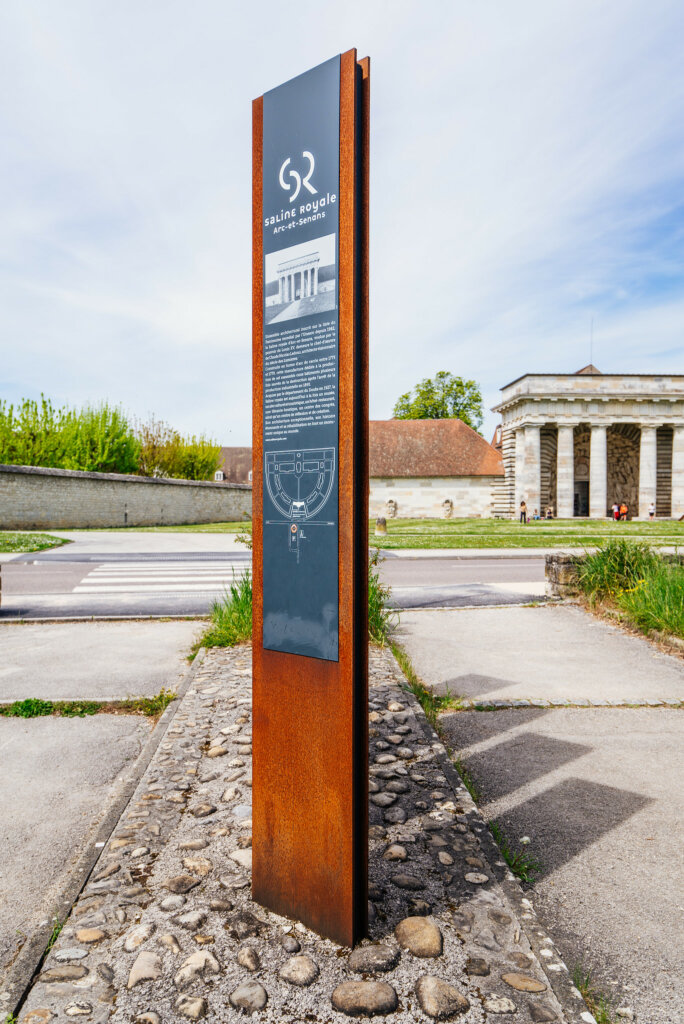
(526, 169)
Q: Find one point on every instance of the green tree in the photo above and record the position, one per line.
(442, 397)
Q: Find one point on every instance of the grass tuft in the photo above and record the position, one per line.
(635, 579)
(34, 707)
(467, 779)
(54, 935)
(522, 863)
(598, 1005)
(382, 620)
(231, 616)
(431, 703)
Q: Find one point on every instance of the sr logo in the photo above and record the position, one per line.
(296, 180)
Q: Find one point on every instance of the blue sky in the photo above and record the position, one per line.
(527, 169)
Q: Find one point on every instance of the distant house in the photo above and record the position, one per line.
(430, 468)
(237, 466)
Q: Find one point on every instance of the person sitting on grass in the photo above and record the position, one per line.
(616, 511)
(624, 509)
(536, 514)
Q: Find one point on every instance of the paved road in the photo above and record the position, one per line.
(138, 574)
(598, 791)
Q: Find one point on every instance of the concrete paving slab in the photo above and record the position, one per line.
(555, 653)
(93, 660)
(85, 542)
(58, 778)
(600, 793)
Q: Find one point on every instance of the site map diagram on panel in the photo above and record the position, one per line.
(299, 484)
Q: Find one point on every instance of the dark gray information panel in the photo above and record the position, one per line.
(301, 174)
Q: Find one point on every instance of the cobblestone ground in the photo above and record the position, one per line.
(165, 929)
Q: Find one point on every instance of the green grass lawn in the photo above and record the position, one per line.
(486, 533)
(504, 533)
(14, 543)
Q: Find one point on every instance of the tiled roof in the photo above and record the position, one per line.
(424, 448)
(237, 465)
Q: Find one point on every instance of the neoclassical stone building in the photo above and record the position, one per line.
(578, 442)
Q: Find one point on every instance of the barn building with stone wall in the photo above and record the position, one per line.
(576, 443)
(431, 468)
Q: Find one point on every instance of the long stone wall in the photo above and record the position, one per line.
(32, 498)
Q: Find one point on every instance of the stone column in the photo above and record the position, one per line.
(678, 472)
(648, 460)
(532, 471)
(598, 472)
(315, 280)
(280, 290)
(519, 469)
(565, 473)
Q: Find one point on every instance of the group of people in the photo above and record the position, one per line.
(620, 512)
(523, 513)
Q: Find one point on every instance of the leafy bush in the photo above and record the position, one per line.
(95, 438)
(165, 453)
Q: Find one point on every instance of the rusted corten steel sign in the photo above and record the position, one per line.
(310, 498)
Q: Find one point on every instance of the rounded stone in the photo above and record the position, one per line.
(193, 920)
(541, 1014)
(357, 998)
(216, 752)
(89, 935)
(476, 965)
(192, 1008)
(299, 970)
(250, 996)
(71, 953)
(373, 959)
(243, 858)
(395, 852)
(523, 982)
(147, 967)
(78, 1008)
(137, 936)
(438, 999)
(403, 881)
(249, 958)
(198, 865)
(420, 936)
(383, 799)
(203, 810)
(398, 786)
(197, 965)
(289, 943)
(172, 903)
(69, 972)
(499, 1004)
(181, 883)
(476, 878)
(148, 1018)
(194, 844)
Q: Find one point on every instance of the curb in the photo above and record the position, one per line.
(18, 980)
(560, 981)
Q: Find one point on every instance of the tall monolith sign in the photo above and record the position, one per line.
(310, 498)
